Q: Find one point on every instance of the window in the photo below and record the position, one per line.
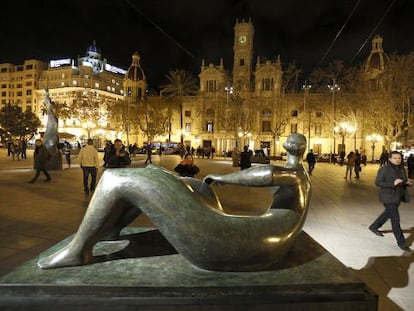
(19, 93)
(241, 62)
(318, 114)
(19, 86)
(74, 82)
(293, 128)
(318, 129)
(3, 69)
(210, 86)
(4, 94)
(29, 92)
(29, 83)
(187, 113)
(187, 127)
(29, 67)
(4, 86)
(210, 126)
(294, 113)
(267, 84)
(96, 85)
(266, 112)
(266, 126)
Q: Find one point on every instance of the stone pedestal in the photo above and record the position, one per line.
(55, 161)
(143, 272)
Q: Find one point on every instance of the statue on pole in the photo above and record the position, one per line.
(51, 137)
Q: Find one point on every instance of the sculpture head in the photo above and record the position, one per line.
(295, 144)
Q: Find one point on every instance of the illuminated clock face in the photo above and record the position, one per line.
(242, 39)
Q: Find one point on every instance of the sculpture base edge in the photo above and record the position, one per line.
(157, 278)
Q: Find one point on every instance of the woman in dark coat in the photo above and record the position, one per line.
(41, 156)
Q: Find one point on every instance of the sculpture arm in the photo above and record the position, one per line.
(259, 176)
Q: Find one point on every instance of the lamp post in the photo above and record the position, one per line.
(229, 90)
(373, 139)
(344, 129)
(88, 125)
(333, 88)
(306, 87)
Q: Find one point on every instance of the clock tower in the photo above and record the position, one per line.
(243, 55)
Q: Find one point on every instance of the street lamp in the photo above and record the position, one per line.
(306, 87)
(88, 125)
(333, 88)
(344, 129)
(373, 139)
(229, 90)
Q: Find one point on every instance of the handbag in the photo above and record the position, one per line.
(406, 196)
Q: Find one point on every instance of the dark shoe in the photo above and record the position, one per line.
(404, 247)
(375, 231)
(47, 179)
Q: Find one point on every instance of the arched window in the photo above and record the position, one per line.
(266, 112)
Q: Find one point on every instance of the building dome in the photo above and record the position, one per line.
(93, 51)
(135, 72)
(377, 60)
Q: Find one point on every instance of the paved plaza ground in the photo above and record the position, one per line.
(33, 217)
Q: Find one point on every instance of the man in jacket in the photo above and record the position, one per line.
(89, 162)
(117, 156)
(392, 179)
(41, 155)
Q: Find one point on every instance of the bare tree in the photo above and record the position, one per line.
(389, 109)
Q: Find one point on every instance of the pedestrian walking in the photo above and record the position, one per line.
(357, 167)
(89, 163)
(350, 164)
(148, 149)
(67, 151)
(24, 149)
(393, 182)
(41, 155)
(310, 158)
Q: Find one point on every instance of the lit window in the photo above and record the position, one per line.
(62, 83)
(210, 126)
(113, 89)
(108, 88)
(188, 127)
(97, 85)
(266, 112)
(74, 82)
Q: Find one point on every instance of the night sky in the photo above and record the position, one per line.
(178, 34)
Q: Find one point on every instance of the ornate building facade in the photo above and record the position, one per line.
(247, 107)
